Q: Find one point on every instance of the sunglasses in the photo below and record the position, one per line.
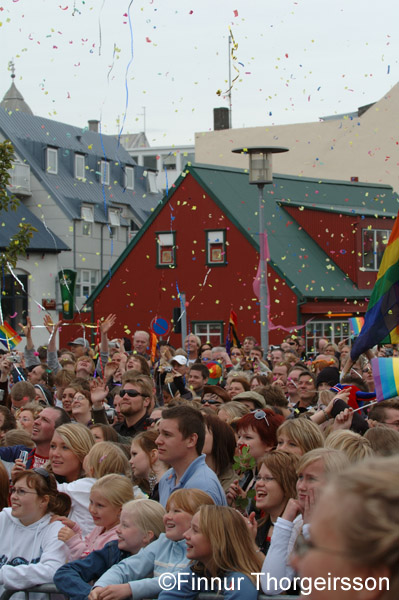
(130, 393)
(260, 414)
(210, 401)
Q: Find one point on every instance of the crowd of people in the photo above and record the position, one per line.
(200, 468)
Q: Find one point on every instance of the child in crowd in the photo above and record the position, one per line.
(107, 496)
(138, 576)
(141, 522)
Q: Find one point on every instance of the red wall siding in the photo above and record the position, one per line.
(139, 291)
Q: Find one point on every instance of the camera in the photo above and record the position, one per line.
(14, 357)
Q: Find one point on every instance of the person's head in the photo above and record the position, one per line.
(4, 486)
(293, 378)
(46, 422)
(236, 354)
(104, 458)
(256, 353)
(62, 379)
(68, 394)
(27, 414)
(299, 436)
(197, 377)
(313, 469)
(384, 440)
(81, 407)
(103, 433)
(141, 340)
(192, 344)
(307, 388)
(276, 481)
(220, 443)
(355, 446)
(232, 410)
(136, 394)
(141, 522)
(219, 541)
(181, 433)
(276, 356)
(69, 446)
(238, 385)
(344, 545)
(7, 421)
(43, 395)
(34, 493)
(214, 396)
(248, 343)
(386, 412)
(179, 364)
(259, 381)
(274, 396)
(107, 496)
(180, 508)
(327, 378)
(143, 454)
(22, 392)
(85, 366)
(138, 363)
(41, 374)
(280, 371)
(18, 437)
(257, 430)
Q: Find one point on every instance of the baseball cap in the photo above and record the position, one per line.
(79, 342)
(180, 359)
(256, 398)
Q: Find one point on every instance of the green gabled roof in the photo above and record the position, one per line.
(293, 254)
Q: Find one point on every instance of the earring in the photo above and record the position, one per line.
(152, 480)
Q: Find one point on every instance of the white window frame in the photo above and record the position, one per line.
(214, 237)
(152, 182)
(104, 172)
(129, 174)
(85, 279)
(80, 164)
(374, 232)
(209, 326)
(114, 217)
(166, 240)
(52, 152)
(87, 214)
(334, 331)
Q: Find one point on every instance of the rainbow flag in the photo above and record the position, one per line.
(386, 377)
(232, 336)
(356, 324)
(9, 337)
(381, 322)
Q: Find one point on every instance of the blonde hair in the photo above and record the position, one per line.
(117, 489)
(147, 515)
(189, 500)
(282, 466)
(105, 458)
(354, 445)
(334, 461)
(384, 440)
(77, 437)
(234, 410)
(303, 432)
(232, 545)
(369, 493)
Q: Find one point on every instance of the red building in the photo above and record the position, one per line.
(326, 240)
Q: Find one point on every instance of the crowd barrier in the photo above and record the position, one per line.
(51, 589)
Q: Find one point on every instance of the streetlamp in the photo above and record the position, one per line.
(261, 173)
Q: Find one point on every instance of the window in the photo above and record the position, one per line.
(133, 229)
(152, 183)
(215, 247)
(166, 255)
(334, 331)
(211, 331)
(79, 166)
(20, 178)
(14, 301)
(88, 214)
(150, 162)
(185, 158)
(52, 161)
(114, 217)
(86, 282)
(374, 242)
(169, 162)
(104, 172)
(129, 178)
(86, 228)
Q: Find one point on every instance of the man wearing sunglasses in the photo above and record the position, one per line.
(136, 395)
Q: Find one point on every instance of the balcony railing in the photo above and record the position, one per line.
(20, 179)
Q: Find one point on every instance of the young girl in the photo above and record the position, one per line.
(219, 542)
(141, 523)
(146, 467)
(107, 497)
(298, 436)
(138, 576)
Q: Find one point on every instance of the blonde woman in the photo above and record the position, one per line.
(220, 545)
(299, 436)
(355, 446)
(354, 534)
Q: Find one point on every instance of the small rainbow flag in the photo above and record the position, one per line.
(9, 337)
(356, 324)
(386, 377)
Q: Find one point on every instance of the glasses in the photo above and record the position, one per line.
(260, 414)
(130, 393)
(210, 401)
(19, 492)
(303, 545)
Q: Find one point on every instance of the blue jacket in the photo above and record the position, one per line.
(11, 453)
(234, 586)
(73, 579)
(198, 475)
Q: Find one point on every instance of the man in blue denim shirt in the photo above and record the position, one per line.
(180, 442)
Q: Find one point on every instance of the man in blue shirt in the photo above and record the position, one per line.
(180, 442)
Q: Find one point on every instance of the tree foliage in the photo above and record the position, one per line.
(20, 241)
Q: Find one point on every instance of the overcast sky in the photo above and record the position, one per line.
(296, 60)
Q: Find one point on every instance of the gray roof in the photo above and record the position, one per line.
(14, 100)
(31, 135)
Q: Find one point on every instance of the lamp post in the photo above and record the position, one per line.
(260, 174)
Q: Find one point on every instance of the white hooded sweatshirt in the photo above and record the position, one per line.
(29, 555)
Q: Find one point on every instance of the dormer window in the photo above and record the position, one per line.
(129, 178)
(104, 172)
(79, 166)
(87, 214)
(152, 182)
(114, 217)
(52, 161)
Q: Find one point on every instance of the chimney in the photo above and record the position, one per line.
(220, 118)
(93, 125)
